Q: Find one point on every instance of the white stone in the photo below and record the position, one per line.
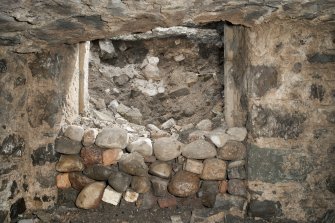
(142, 145)
(237, 133)
(218, 138)
(107, 48)
(205, 125)
(168, 124)
(74, 132)
(176, 219)
(150, 69)
(131, 196)
(113, 104)
(111, 196)
(90, 136)
(193, 166)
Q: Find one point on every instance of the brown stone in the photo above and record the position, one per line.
(223, 187)
(232, 150)
(69, 163)
(111, 156)
(140, 184)
(214, 169)
(91, 195)
(167, 202)
(91, 155)
(62, 181)
(184, 184)
(79, 180)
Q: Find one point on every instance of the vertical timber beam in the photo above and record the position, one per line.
(235, 66)
(84, 53)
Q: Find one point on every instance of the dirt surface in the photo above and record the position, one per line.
(111, 78)
(123, 213)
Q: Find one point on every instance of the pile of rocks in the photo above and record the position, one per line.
(108, 165)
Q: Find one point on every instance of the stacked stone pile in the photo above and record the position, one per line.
(107, 165)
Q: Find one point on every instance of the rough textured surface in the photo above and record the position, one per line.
(48, 22)
(292, 41)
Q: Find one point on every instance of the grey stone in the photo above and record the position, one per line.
(44, 154)
(263, 78)
(276, 123)
(161, 169)
(328, 217)
(264, 209)
(159, 186)
(146, 201)
(119, 181)
(331, 117)
(168, 124)
(133, 164)
(3, 65)
(69, 163)
(121, 80)
(67, 146)
(317, 91)
(273, 165)
(232, 150)
(12, 145)
(237, 187)
(208, 191)
(321, 58)
(205, 125)
(199, 149)
(112, 138)
(237, 133)
(74, 132)
(17, 208)
(142, 145)
(227, 201)
(330, 184)
(166, 149)
(131, 114)
(236, 170)
(179, 92)
(140, 184)
(98, 172)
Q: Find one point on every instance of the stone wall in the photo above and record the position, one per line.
(34, 90)
(291, 100)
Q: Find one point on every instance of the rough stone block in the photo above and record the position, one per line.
(274, 165)
(264, 209)
(111, 196)
(167, 202)
(193, 166)
(131, 196)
